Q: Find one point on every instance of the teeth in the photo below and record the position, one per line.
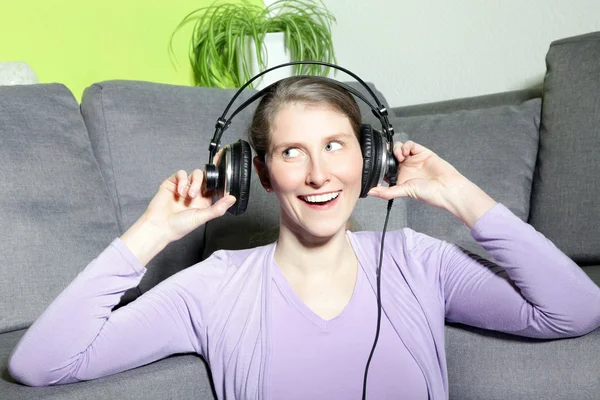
(321, 198)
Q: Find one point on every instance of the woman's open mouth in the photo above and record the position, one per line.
(321, 202)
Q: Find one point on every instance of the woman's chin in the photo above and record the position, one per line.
(311, 228)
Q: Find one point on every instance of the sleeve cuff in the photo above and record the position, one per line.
(493, 215)
(128, 256)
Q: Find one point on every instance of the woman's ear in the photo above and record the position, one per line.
(263, 173)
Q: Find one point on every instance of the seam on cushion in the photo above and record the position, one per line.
(579, 40)
(116, 84)
(536, 177)
(120, 216)
(537, 120)
(94, 156)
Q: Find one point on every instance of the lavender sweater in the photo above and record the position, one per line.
(221, 307)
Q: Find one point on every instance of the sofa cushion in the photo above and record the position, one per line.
(593, 271)
(493, 147)
(142, 133)
(481, 365)
(259, 224)
(514, 97)
(55, 211)
(565, 203)
(182, 376)
(490, 365)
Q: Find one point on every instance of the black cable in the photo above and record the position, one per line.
(387, 217)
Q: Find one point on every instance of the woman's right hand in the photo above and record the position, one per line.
(183, 203)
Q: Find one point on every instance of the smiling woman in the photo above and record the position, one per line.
(319, 163)
(305, 132)
(296, 318)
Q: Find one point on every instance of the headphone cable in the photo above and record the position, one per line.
(387, 217)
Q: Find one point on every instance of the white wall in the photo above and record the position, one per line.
(421, 51)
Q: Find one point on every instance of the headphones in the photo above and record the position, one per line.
(232, 174)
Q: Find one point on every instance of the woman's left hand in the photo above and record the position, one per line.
(422, 175)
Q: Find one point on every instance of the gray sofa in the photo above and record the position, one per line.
(75, 176)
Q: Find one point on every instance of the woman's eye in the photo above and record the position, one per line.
(291, 152)
(332, 146)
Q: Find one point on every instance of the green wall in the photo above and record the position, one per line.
(78, 43)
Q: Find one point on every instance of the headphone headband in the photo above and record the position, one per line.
(222, 124)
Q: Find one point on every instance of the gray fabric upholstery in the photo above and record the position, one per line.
(515, 97)
(142, 133)
(182, 376)
(259, 224)
(593, 271)
(55, 215)
(494, 147)
(495, 366)
(566, 191)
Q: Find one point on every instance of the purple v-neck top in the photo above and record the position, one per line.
(234, 310)
(313, 358)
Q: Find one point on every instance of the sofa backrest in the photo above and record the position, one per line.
(564, 200)
(511, 98)
(55, 211)
(565, 203)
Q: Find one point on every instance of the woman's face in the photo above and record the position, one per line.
(314, 165)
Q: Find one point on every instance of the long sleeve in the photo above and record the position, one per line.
(78, 337)
(532, 289)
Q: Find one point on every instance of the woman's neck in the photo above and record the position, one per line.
(313, 257)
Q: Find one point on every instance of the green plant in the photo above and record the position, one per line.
(221, 33)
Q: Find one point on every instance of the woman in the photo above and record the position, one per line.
(296, 319)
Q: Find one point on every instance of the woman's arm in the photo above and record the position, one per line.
(535, 290)
(532, 290)
(78, 337)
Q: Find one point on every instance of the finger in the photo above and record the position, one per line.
(181, 182)
(388, 193)
(196, 178)
(411, 147)
(398, 151)
(202, 216)
(224, 203)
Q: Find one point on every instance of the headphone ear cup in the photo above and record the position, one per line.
(371, 145)
(241, 169)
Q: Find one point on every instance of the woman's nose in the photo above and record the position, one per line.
(318, 173)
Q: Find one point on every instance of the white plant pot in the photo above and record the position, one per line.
(274, 53)
(17, 73)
